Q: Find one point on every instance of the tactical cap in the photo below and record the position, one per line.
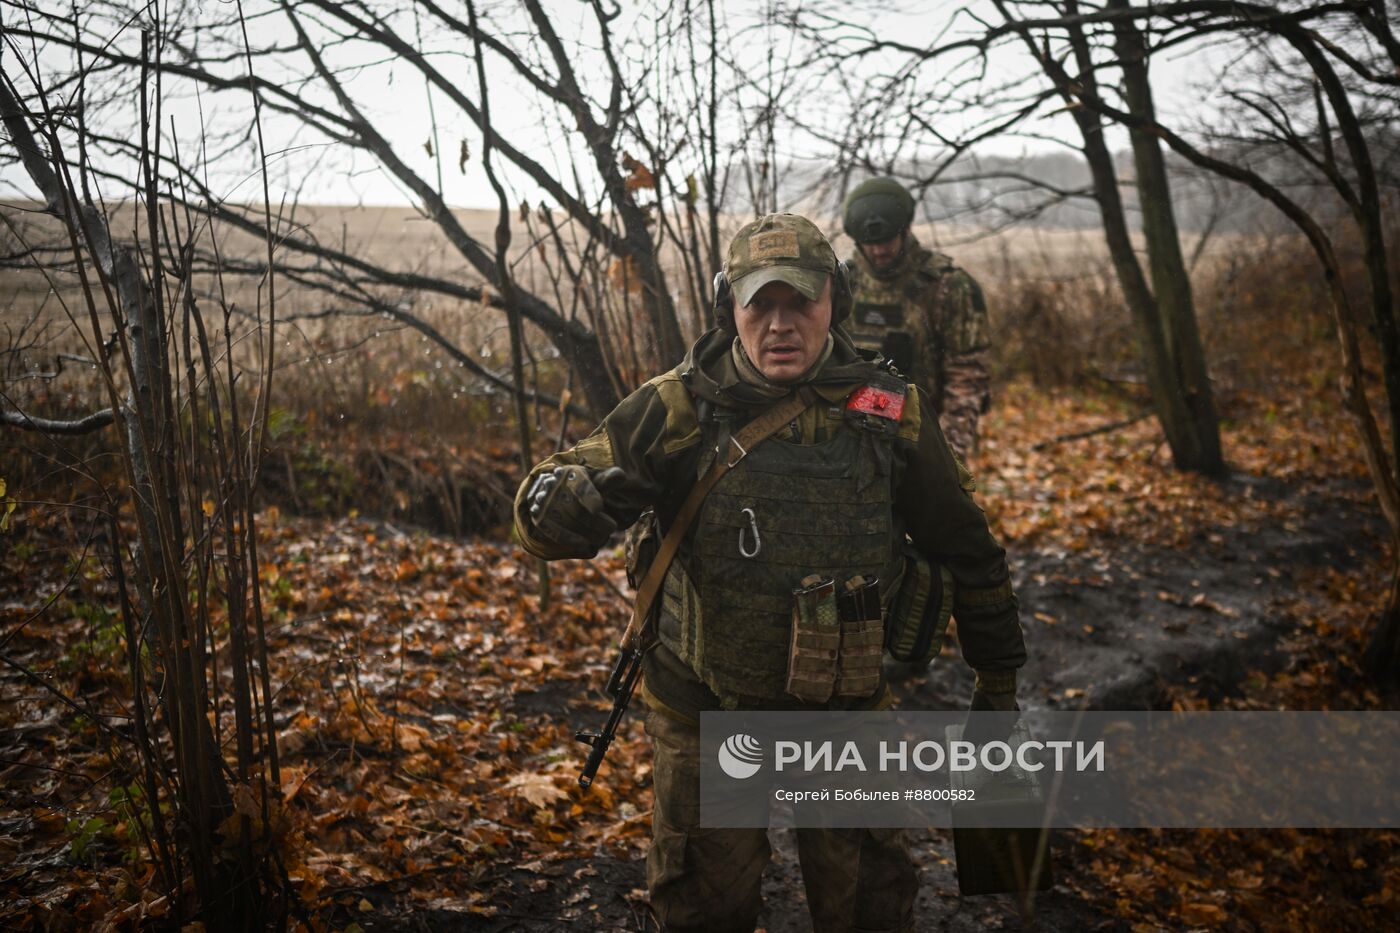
(877, 209)
(779, 248)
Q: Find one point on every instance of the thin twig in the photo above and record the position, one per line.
(1102, 429)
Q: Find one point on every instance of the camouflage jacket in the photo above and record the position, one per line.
(655, 436)
(930, 317)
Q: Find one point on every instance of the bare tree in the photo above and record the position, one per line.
(187, 566)
(1350, 57)
(306, 79)
(931, 96)
(1337, 62)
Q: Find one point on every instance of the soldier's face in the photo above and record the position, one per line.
(885, 253)
(782, 331)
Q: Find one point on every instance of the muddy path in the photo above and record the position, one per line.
(1118, 628)
(1115, 628)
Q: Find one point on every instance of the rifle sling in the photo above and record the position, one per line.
(751, 435)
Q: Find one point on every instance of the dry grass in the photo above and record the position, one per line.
(361, 402)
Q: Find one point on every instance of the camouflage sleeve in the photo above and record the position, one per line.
(935, 497)
(966, 397)
(965, 327)
(643, 435)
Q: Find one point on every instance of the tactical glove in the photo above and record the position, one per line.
(567, 510)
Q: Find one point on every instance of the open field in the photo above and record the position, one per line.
(371, 415)
(317, 330)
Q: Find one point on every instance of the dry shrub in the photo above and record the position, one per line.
(366, 417)
(1261, 302)
(1264, 310)
(371, 415)
(395, 429)
(1057, 331)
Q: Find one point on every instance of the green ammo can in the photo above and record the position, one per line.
(992, 859)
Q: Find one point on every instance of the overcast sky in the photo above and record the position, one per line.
(305, 167)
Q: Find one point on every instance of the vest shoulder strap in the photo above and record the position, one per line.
(737, 448)
(936, 265)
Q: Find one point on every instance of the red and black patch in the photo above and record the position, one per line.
(877, 402)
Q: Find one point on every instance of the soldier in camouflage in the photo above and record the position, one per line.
(835, 492)
(918, 309)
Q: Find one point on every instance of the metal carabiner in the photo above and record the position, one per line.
(757, 541)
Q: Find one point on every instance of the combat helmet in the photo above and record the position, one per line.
(877, 209)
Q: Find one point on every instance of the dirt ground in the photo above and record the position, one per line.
(427, 700)
(1120, 628)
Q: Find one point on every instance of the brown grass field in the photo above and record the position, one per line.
(1020, 269)
(361, 398)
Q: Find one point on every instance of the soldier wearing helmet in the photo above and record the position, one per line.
(918, 309)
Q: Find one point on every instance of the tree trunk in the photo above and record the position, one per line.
(1381, 662)
(1170, 402)
(1199, 435)
(661, 310)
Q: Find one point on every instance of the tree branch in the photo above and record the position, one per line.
(85, 425)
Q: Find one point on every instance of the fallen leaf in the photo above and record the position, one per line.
(538, 789)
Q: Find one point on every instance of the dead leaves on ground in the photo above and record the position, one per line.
(1084, 495)
(1275, 881)
(426, 704)
(427, 708)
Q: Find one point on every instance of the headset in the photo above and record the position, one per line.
(842, 299)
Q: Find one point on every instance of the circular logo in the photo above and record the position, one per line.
(740, 756)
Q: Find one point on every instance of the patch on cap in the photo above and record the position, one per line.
(774, 244)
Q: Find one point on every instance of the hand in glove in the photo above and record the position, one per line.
(566, 508)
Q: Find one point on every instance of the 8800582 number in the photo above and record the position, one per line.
(961, 795)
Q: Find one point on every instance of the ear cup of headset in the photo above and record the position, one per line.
(842, 298)
(724, 301)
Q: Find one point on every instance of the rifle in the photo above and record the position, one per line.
(640, 629)
(620, 686)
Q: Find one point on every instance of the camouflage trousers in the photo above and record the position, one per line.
(708, 879)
